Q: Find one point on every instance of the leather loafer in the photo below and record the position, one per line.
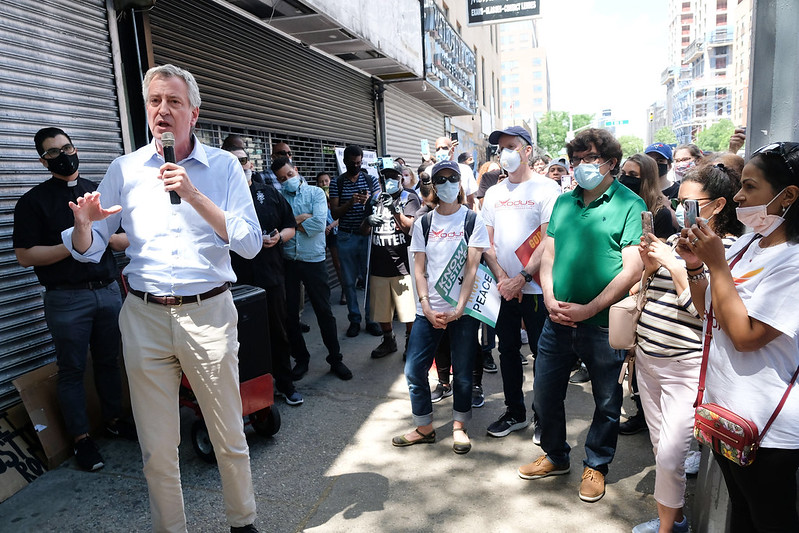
(299, 370)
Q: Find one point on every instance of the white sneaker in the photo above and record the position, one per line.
(691, 464)
(653, 526)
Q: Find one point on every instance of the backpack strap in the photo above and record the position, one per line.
(468, 224)
(427, 219)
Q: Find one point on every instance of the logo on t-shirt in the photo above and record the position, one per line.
(514, 204)
(746, 277)
(443, 235)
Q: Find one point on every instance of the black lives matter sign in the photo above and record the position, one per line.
(495, 11)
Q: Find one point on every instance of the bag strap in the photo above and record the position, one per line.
(706, 351)
(427, 219)
(709, 332)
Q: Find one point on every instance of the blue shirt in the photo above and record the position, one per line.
(309, 246)
(173, 250)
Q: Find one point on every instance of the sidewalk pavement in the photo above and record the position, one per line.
(332, 468)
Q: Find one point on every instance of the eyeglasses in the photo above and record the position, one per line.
(676, 201)
(440, 180)
(284, 153)
(52, 153)
(244, 160)
(782, 149)
(588, 158)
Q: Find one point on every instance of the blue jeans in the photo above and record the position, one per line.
(509, 323)
(421, 347)
(558, 348)
(352, 253)
(78, 319)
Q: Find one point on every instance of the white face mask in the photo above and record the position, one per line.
(757, 217)
(447, 192)
(442, 155)
(510, 159)
(248, 174)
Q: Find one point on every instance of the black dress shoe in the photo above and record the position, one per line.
(305, 328)
(243, 529)
(353, 330)
(373, 328)
(341, 371)
(299, 370)
(634, 424)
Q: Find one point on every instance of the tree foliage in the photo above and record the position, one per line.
(630, 144)
(716, 138)
(665, 135)
(554, 126)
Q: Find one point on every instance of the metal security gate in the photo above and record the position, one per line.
(251, 77)
(408, 121)
(56, 69)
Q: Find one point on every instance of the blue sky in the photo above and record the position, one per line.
(606, 54)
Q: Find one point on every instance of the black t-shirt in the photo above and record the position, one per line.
(665, 225)
(672, 191)
(274, 212)
(389, 243)
(487, 180)
(39, 218)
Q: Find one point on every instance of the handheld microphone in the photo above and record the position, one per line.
(168, 142)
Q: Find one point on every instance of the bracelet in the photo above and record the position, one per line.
(423, 298)
(700, 268)
(696, 278)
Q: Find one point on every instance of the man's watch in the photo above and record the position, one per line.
(527, 277)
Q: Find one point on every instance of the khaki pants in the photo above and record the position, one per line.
(199, 339)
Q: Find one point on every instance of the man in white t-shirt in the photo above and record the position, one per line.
(515, 210)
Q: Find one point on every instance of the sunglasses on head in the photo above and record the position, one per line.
(440, 180)
(782, 149)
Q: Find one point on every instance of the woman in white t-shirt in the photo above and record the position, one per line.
(454, 231)
(754, 351)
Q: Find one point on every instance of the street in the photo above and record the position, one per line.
(332, 468)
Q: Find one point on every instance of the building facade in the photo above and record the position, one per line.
(524, 78)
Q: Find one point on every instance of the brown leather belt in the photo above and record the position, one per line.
(179, 300)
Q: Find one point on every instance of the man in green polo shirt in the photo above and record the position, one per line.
(589, 262)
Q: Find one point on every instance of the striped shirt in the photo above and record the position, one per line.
(350, 221)
(670, 325)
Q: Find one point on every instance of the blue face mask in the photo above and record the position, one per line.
(680, 212)
(588, 176)
(442, 155)
(447, 192)
(292, 184)
(392, 186)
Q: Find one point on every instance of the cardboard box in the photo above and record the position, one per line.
(40, 398)
(20, 462)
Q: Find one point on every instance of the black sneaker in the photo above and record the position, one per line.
(121, 428)
(478, 399)
(634, 424)
(373, 328)
(536, 431)
(341, 371)
(88, 455)
(581, 376)
(488, 363)
(295, 398)
(354, 329)
(442, 390)
(525, 361)
(506, 424)
(388, 346)
(299, 370)
(305, 328)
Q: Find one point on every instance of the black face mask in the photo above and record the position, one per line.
(634, 184)
(352, 170)
(63, 165)
(663, 169)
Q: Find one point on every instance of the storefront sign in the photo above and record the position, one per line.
(495, 11)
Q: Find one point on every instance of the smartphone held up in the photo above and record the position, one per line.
(648, 225)
(691, 208)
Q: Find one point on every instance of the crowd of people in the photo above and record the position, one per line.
(563, 240)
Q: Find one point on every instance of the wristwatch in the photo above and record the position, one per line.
(527, 277)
